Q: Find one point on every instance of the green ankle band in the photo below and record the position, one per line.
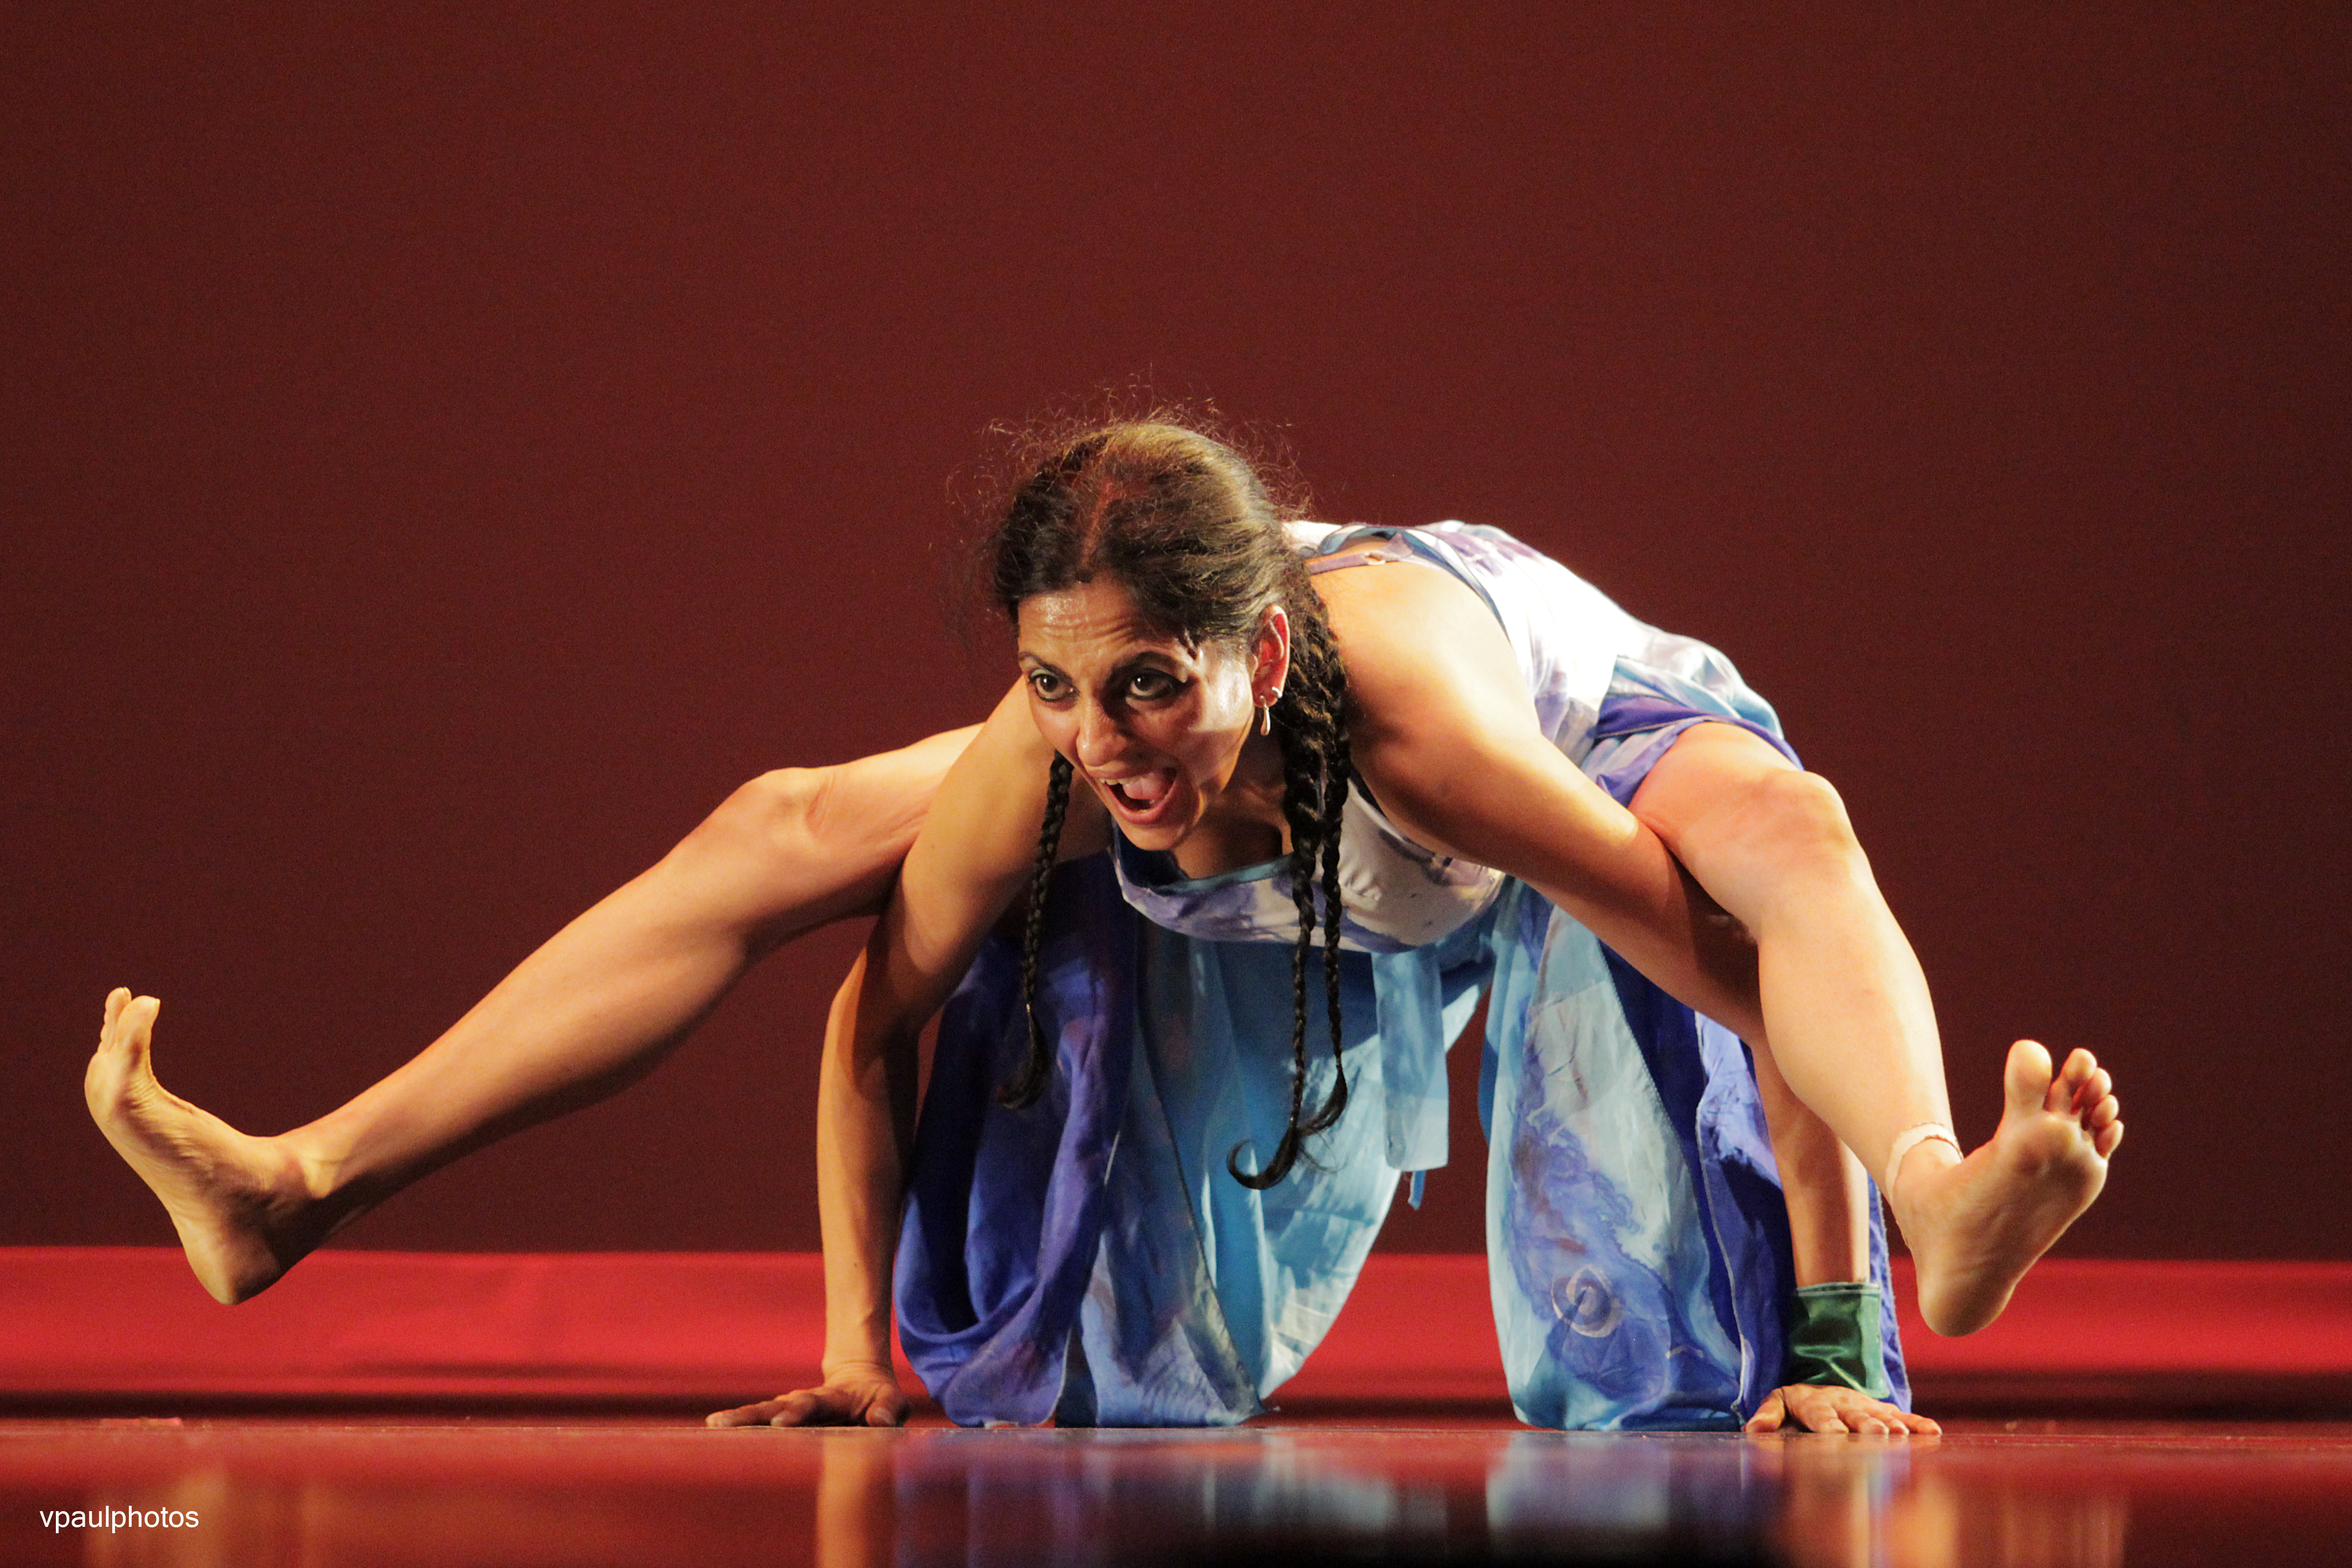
(1835, 1339)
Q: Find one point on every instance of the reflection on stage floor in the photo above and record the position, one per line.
(266, 1491)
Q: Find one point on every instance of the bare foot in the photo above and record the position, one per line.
(1976, 1226)
(239, 1202)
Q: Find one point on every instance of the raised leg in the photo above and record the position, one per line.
(1849, 1027)
(594, 1010)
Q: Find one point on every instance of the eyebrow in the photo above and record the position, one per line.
(1166, 665)
(1037, 658)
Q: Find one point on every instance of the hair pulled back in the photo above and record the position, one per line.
(1182, 522)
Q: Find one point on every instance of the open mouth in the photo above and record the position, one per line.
(1141, 796)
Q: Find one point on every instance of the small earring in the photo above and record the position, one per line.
(1265, 715)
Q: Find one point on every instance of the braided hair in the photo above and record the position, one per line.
(1182, 522)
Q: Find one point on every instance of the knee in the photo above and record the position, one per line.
(783, 808)
(786, 795)
(854, 814)
(1796, 824)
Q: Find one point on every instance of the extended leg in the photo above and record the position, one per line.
(594, 1010)
(1850, 1030)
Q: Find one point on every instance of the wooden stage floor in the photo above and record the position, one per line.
(257, 1490)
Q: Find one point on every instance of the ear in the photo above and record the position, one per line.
(1270, 655)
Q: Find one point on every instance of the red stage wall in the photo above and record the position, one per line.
(442, 452)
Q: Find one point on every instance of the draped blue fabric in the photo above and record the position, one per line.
(1089, 1260)
(1005, 1209)
(1637, 1237)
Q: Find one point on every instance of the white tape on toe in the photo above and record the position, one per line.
(1910, 1138)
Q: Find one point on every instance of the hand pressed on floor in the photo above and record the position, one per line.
(1816, 1407)
(856, 1395)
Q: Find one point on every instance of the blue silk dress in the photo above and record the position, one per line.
(1090, 1261)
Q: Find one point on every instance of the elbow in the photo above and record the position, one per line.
(871, 1024)
(1424, 803)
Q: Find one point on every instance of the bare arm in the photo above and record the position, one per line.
(1521, 806)
(1449, 742)
(971, 860)
(1446, 736)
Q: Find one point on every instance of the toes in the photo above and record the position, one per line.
(2066, 1087)
(2025, 1079)
(2107, 1138)
(135, 1027)
(2108, 1110)
(2097, 1089)
(116, 1068)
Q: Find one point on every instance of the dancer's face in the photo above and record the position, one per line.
(1153, 724)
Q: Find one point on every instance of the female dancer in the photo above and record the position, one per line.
(1486, 715)
(608, 996)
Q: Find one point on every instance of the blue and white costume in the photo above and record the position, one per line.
(1090, 1260)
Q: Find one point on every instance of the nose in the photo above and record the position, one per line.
(1099, 739)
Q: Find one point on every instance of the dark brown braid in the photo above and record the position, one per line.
(1029, 1082)
(1182, 522)
(1311, 727)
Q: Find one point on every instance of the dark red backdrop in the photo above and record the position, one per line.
(442, 455)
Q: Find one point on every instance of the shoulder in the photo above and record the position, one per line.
(1396, 606)
(993, 803)
(1417, 642)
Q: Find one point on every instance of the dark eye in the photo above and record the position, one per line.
(1151, 685)
(1045, 684)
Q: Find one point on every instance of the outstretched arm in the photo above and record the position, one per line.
(592, 1010)
(972, 858)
